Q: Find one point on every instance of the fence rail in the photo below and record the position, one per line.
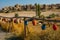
(31, 18)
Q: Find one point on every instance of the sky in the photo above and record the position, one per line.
(4, 3)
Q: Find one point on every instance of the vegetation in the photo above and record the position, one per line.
(16, 15)
(52, 15)
(38, 10)
(35, 32)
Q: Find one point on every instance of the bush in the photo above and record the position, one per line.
(52, 15)
(16, 15)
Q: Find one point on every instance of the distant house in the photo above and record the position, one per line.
(30, 7)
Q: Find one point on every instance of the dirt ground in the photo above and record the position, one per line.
(4, 35)
(28, 13)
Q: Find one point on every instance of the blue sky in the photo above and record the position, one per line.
(4, 3)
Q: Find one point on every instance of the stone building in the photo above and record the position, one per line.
(17, 7)
(43, 7)
(30, 7)
(57, 6)
(5, 9)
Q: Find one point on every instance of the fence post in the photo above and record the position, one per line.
(24, 28)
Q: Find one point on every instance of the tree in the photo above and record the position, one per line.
(36, 8)
(39, 10)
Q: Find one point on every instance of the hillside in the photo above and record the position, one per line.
(28, 13)
(30, 7)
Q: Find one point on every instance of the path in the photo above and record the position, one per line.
(4, 35)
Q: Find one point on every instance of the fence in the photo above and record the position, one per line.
(30, 19)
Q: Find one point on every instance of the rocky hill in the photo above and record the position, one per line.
(29, 7)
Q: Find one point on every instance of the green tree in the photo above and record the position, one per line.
(39, 11)
(36, 8)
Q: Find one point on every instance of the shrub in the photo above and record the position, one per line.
(52, 15)
(16, 15)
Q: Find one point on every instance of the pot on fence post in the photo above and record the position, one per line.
(54, 27)
(34, 22)
(43, 26)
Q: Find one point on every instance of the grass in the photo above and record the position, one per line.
(35, 32)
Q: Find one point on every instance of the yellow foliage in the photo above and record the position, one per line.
(5, 25)
(17, 28)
